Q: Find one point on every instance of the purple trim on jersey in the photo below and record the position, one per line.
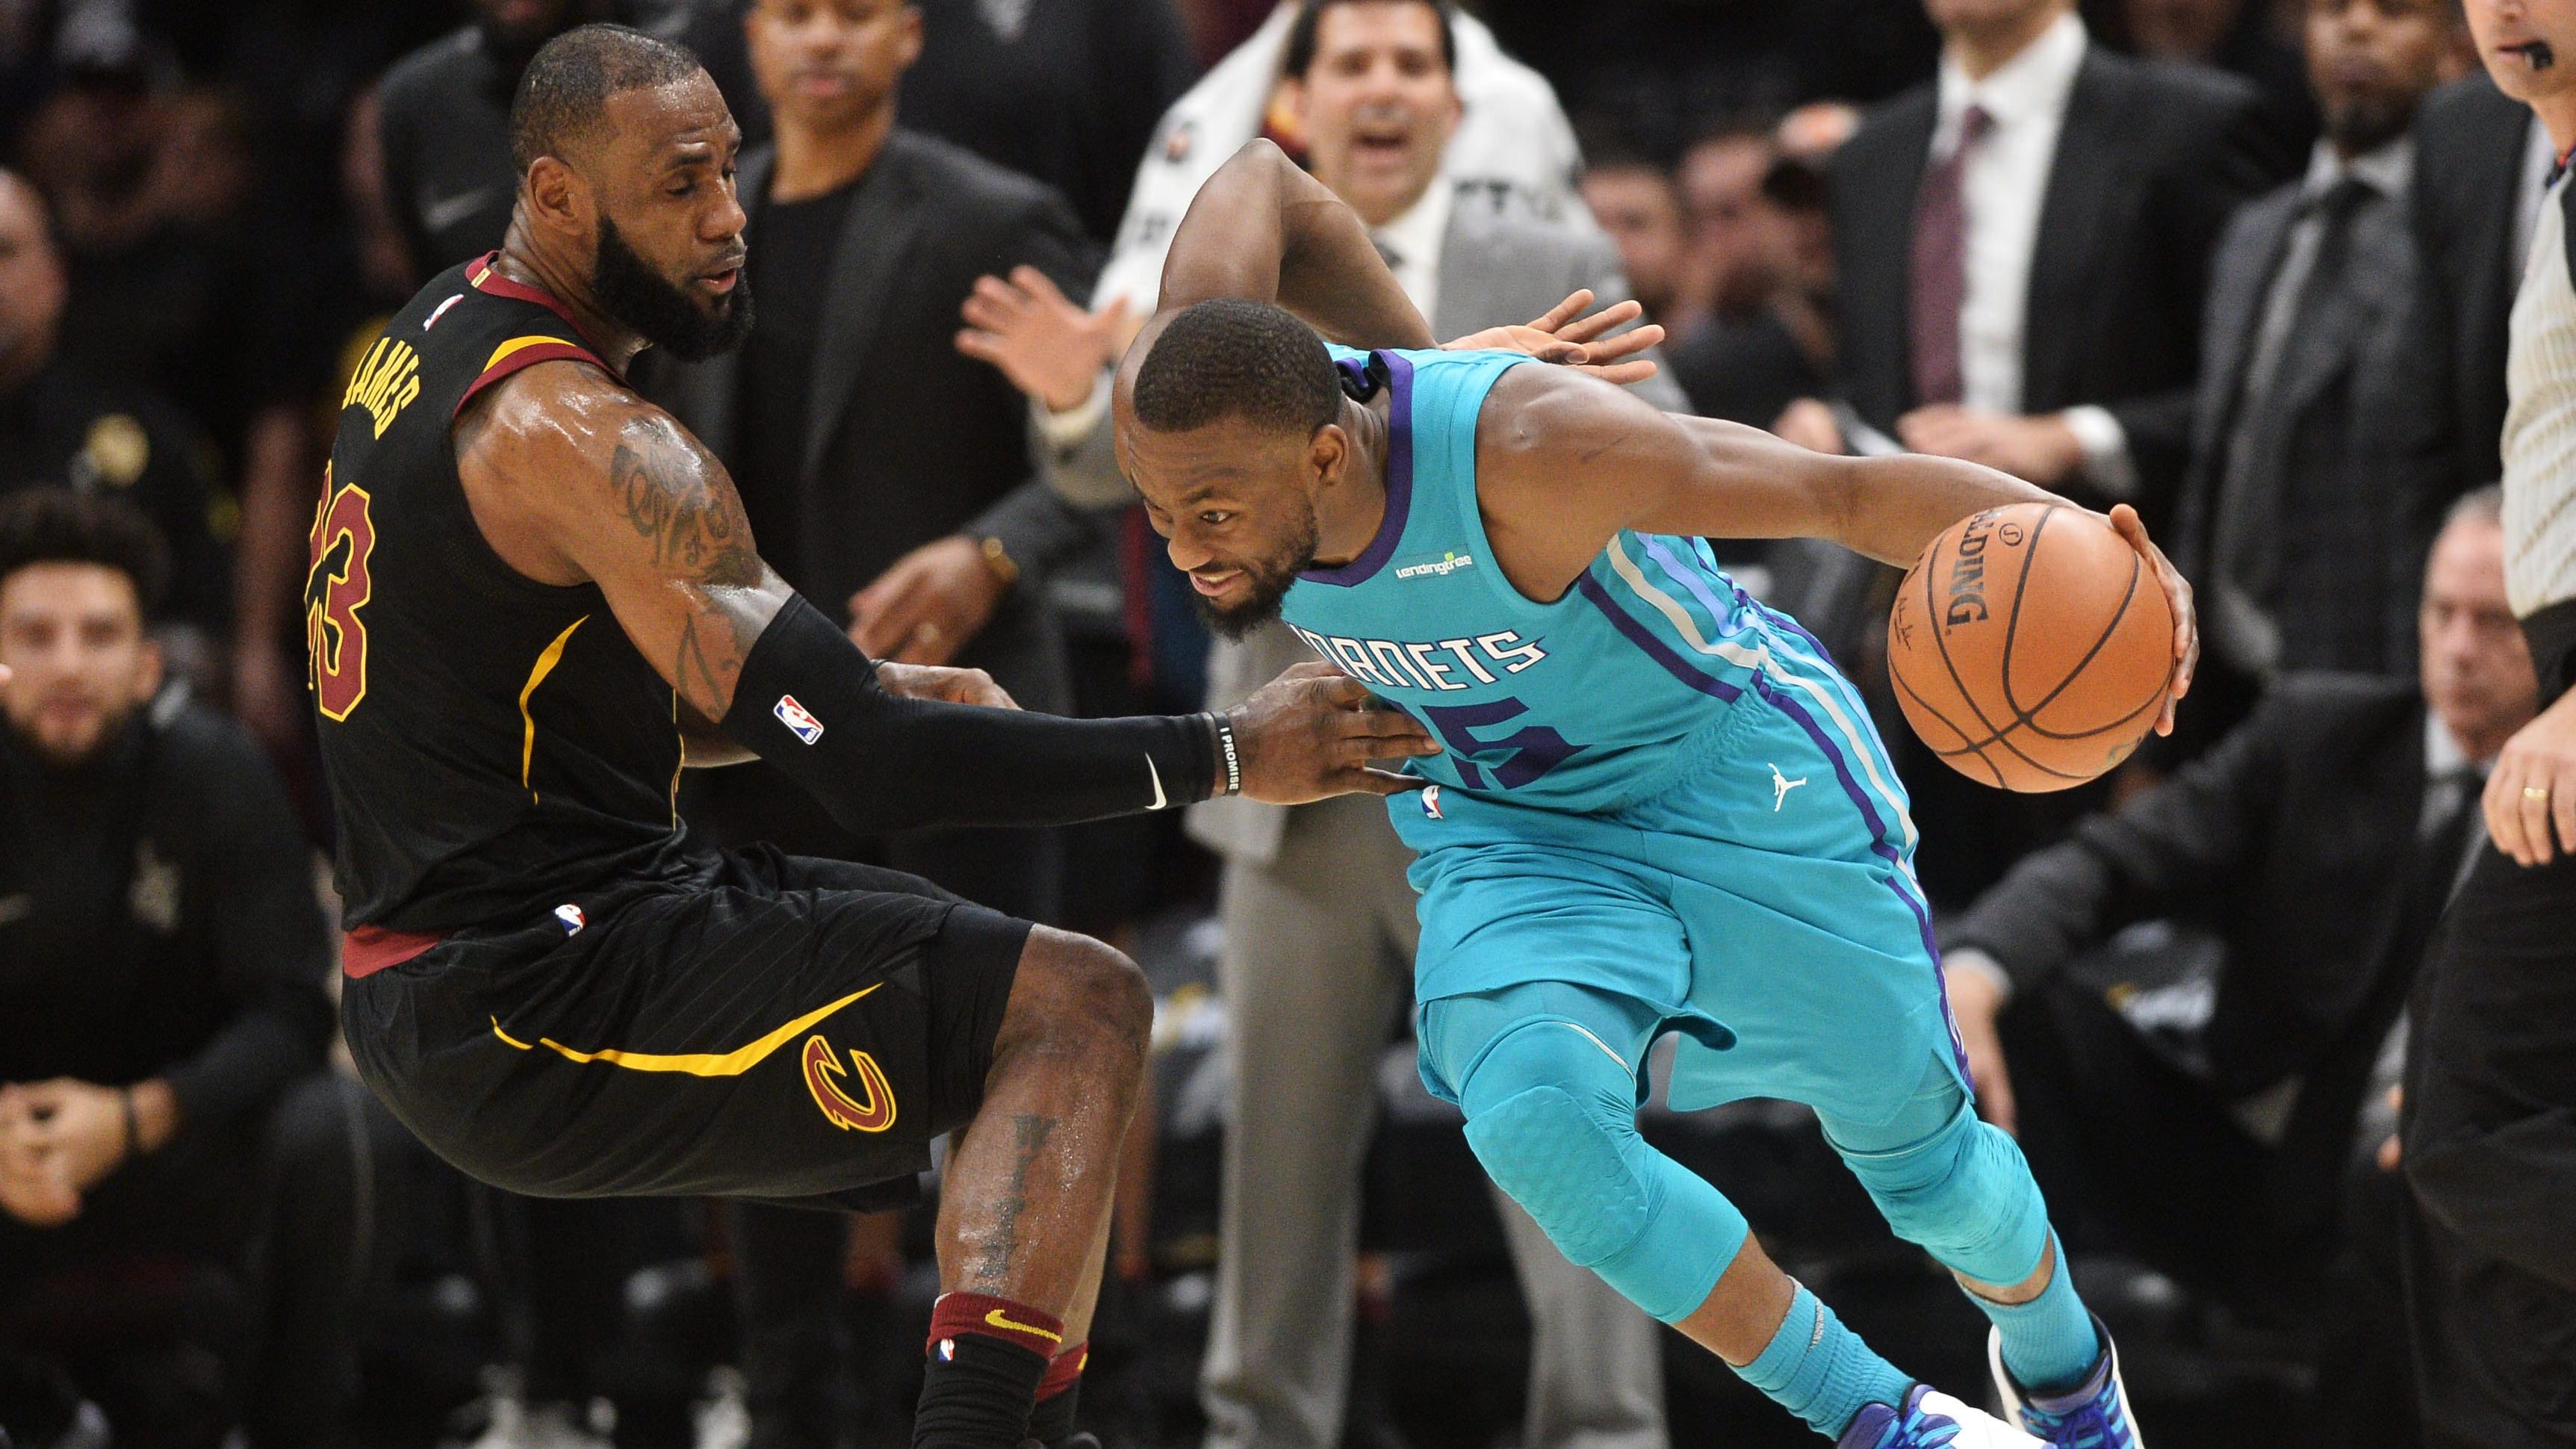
(1690, 579)
(1399, 483)
(1656, 649)
(1842, 769)
(1794, 627)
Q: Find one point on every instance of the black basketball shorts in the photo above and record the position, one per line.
(773, 1027)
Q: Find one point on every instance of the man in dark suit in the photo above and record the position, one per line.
(2480, 166)
(2298, 447)
(2023, 252)
(2319, 842)
(890, 480)
(2024, 247)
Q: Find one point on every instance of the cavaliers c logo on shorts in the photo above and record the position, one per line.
(871, 1111)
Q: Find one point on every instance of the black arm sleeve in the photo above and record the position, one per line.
(808, 702)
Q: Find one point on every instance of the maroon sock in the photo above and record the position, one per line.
(987, 1357)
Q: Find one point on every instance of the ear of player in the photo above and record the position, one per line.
(1315, 731)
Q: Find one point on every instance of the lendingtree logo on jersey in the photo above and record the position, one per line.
(336, 586)
(385, 383)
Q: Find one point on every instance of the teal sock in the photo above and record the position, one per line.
(1821, 1371)
(2049, 1342)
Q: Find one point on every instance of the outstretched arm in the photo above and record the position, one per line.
(1262, 229)
(573, 478)
(1564, 462)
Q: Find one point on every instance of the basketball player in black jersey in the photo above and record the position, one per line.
(533, 600)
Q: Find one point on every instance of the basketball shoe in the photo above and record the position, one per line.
(2092, 1415)
(1931, 1419)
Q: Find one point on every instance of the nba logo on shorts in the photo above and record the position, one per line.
(572, 918)
(795, 717)
(1431, 802)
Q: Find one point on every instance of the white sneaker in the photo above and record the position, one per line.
(2093, 1415)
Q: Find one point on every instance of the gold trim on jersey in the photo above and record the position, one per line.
(501, 353)
(545, 665)
(696, 1064)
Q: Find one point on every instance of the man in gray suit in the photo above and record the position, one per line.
(1319, 921)
(2298, 460)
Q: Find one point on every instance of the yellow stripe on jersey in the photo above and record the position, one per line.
(517, 344)
(696, 1064)
(546, 662)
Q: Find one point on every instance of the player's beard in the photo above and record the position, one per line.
(1270, 578)
(663, 314)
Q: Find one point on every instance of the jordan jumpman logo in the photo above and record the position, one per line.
(1781, 785)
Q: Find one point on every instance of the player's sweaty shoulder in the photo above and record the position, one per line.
(539, 454)
(1555, 455)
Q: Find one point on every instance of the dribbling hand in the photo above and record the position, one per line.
(2126, 523)
(1311, 733)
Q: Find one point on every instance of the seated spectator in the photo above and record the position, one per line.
(1749, 366)
(60, 426)
(1732, 248)
(163, 1097)
(2319, 841)
(2299, 457)
(1638, 204)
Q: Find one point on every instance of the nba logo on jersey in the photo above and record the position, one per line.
(1431, 802)
(795, 717)
(572, 918)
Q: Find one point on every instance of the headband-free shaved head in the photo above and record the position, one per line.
(1233, 358)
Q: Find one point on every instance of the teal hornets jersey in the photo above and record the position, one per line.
(1589, 703)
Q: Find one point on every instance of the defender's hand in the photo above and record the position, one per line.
(1563, 335)
(1310, 734)
(928, 603)
(2126, 523)
(956, 686)
(1048, 347)
(2531, 793)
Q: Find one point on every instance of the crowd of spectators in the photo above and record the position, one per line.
(2244, 264)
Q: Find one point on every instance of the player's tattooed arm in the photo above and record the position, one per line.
(574, 478)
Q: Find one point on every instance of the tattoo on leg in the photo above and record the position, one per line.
(1029, 1134)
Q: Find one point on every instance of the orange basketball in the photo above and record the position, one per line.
(2031, 647)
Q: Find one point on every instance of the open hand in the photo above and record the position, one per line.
(1565, 336)
(928, 603)
(1311, 733)
(2530, 799)
(1048, 347)
(2126, 523)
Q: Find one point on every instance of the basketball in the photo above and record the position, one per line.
(2031, 647)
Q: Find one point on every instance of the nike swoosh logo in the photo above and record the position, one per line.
(16, 908)
(447, 211)
(996, 1319)
(1159, 800)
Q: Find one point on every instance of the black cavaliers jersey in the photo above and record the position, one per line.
(494, 745)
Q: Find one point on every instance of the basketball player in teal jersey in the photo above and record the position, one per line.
(1660, 809)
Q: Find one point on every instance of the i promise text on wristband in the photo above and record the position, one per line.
(1232, 784)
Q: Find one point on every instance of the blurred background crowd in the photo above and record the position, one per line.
(2243, 263)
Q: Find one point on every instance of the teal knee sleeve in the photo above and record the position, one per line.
(1964, 1195)
(1558, 1132)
